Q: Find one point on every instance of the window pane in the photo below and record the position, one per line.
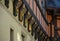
(11, 35)
(22, 37)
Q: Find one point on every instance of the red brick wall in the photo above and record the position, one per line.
(31, 4)
(38, 15)
(35, 7)
(52, 30)
(58, 25)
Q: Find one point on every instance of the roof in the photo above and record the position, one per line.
(53, 3)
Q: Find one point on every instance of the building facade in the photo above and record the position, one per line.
(28, 20)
